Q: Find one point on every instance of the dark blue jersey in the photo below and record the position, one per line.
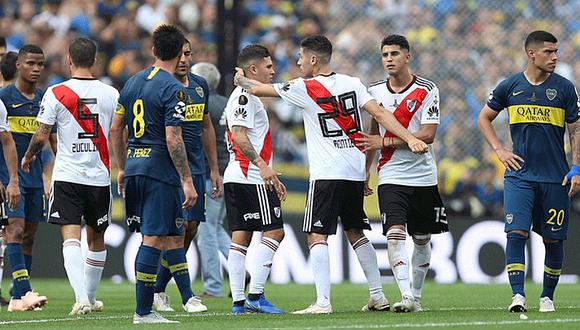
(22, 121)
(151, 100)
(195, 109)
(537, 117)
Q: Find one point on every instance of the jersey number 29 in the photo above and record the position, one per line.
(343, 106)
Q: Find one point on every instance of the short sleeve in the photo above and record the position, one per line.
(48, 109)
(4, 127)
(498, 98)
(293, 92)
(572, 104)
(244, 111)
(363, 95)
(430, 108)
(174, 98)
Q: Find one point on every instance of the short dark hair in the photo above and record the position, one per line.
(8, 66)
(82, 52)
(29, 49)
(252, 53)
(2, 42)
(168, 41)
(398, 40)
(319, 45)
(539, 36)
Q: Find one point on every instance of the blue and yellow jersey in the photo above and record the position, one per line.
(537, 117)
(22, 122)
(151, 100)
(196, 107)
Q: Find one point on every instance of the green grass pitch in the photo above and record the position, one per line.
(454, 306)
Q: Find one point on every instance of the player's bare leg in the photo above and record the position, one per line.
(94, 265)
(515, 264)
(22, 298)
(367, 258)
(320, 260)
(237, 268)
(74, 266)
(420, 261)
(189, 233)
(399, 260)
(256, 301)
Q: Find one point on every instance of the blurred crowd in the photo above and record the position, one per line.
(466, 47)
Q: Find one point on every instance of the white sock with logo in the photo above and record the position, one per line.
(94, 265)
(262, 264)
(399, 259)
(320, 261)
(237, 270)
(420, 261)
(74, 266)
(367, 257)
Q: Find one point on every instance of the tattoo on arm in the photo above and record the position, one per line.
(574, 132)
(244, 143)
(39, 139)
(177, 151)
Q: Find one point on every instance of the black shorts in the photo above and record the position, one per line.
(251, 207)
(327, 200)
(421, 208)
(70, 202)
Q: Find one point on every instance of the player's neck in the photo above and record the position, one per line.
(322, 70)
(400, 81)
(26, 88)
(83, 73)
(183, 80)
(168, 66)
(535, 76)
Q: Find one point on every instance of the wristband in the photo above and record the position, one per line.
(574, 170)
(383, 142)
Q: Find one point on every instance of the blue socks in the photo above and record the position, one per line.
(163, 275)
(178, 268)
(515, 262)
(19, 272)
(28, 262)
(145, 275)
(552, 267)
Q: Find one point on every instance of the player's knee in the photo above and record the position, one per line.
(14, 233)
(550, 240)
(518, 232)
(421, 239)
(276, 234)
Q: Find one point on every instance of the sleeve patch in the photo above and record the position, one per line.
(243, 100)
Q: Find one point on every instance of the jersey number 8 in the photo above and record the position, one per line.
(139, 119)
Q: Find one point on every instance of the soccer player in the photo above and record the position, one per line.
(252, 188)
(539, 103)
(408, 194)
(82, 108)
(154, 167)
(198, 132)
(331, 106)
(8, 68)
(22, 100)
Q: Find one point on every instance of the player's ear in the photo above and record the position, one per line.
(153, 51)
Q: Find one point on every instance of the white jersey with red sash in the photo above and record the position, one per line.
(414, 106)
(332, 120)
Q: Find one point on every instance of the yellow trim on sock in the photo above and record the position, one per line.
(178, 267)
(551, 271)
(144, 277)
(20, 273)
(515, 267)
(164, 263)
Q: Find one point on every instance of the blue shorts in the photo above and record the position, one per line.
(31, 206)
(197, 212)
(545, 207)
(153, 207)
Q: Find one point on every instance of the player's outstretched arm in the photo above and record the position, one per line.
(11, 193)
(388, 121)
(119, 145)
(210, 148)
(510, 160)
(254, 87)
(574, 175)
(269, 176)
(178, 153)
(38, 141)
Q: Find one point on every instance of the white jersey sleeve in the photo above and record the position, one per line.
(363, 94)
(293, 92)
(430, 108)
(243, 112)
(48, 108)
(4, 127)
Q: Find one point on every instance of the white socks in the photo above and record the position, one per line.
(261, 270)
(73, 264)
(399, 259)
(420, 261)
(237, 270)
(94, 265)
(367, 257)
(320, 261)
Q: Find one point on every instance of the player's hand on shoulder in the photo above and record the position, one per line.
(510, 160)
(238, 75)
(417, 146)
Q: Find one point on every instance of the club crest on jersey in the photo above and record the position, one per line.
(509, 218)
(181, 96)
(411, 104)
(179, 222)
(551, 93)
(199, 91)
(243, 100)
(277, 212)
